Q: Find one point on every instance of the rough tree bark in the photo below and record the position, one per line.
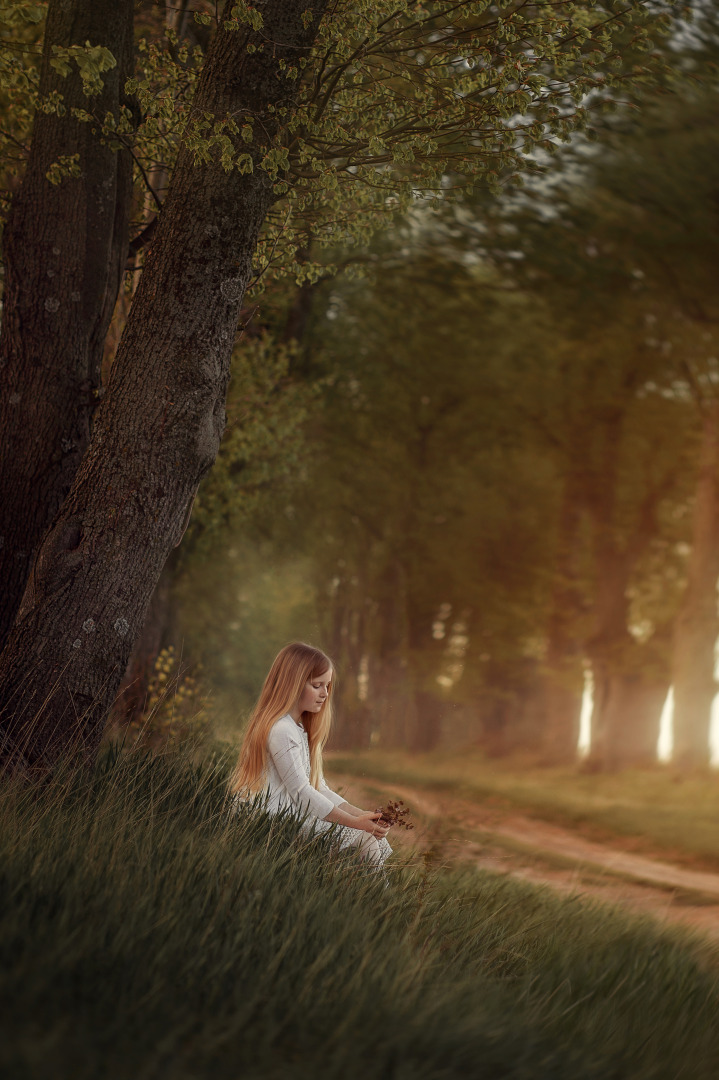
(697, 625)
(158, 630)
(353, 726)
(64, 252)
(159, 425)
(131, 701)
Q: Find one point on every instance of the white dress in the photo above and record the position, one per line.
(288, 787)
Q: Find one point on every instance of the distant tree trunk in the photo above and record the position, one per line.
(697, 625)
(429, 708)
(299, 313)
(358, 719)
(347, 646)
(64, 254)
(561, 701)
(158, 428)
(528, 692)
(495, 721)
(502, 700)
(611, 637)
(630, 706)
(562, 682)
(618, 733)
(426, 655)
(631, 680)
(392, 696)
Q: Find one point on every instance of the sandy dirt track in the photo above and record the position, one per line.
(504, 841)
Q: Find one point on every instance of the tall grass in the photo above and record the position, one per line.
(145, 933)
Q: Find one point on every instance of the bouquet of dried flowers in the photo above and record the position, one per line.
(395, 813)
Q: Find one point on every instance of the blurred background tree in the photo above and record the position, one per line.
(508, 476)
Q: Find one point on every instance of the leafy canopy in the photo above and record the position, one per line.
(398, 100)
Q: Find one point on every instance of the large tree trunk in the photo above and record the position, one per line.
(64, 253)
(159, 628)
(158, 428)
(697, 625)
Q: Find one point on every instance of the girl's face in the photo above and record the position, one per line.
(315, 693)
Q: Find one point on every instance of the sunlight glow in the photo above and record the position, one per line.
(585, 716)
(714, 721)
(665, 742)
(714, 734)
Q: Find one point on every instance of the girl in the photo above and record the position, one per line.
(281, 752)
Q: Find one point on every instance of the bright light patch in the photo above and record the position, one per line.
(665, 742)
(665, 745)
(714, 734)
(714, 721)
(363, 678)
(585, 716)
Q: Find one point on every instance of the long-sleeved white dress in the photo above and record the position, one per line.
(288, 787)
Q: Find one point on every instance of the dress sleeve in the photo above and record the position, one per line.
(284, 748)
(334, 798)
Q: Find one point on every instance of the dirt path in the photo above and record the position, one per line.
(507, 842)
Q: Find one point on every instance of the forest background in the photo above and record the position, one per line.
(472, 432)
(476, 459)
(391, 326)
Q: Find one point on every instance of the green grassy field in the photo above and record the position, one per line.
(658, 810)
(145, 933)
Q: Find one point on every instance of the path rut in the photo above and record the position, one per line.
(508, 842)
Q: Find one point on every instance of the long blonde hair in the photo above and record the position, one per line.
(292, 668)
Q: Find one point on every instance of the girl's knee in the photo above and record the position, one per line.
(370, 849)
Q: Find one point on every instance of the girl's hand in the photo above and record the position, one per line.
(370, 822)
